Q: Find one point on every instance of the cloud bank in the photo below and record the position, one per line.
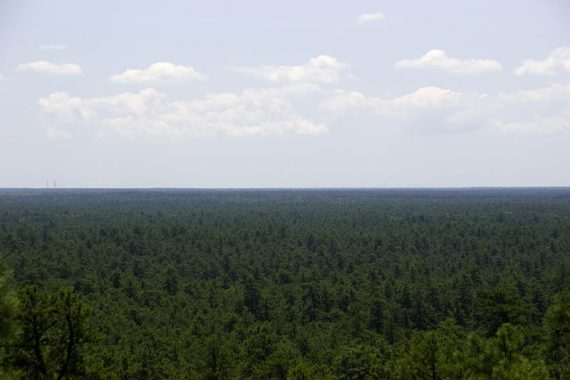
(433, 109)
(438, 59)
(151, 113)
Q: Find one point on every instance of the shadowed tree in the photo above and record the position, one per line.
(7, 309)
(557, 323)
(53, 330)
(7, 302)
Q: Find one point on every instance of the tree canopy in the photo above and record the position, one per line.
(305, 284)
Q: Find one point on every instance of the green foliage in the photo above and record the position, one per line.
(217, 360)
(502, 304)
(501, 357)
(434, 354)
(53, 332)
(266, 355)
(359, 362)
(365, 284)
(7, 302)
(557, 324)
(8, 305)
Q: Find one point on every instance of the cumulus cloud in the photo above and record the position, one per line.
(438, 59)
(542, 111)
(160, 72)
(556, 62)
(320, 69)
(46, 67)
(423, 98)
(428, 106)
(53, 47)
(370, 17)
(151, 113)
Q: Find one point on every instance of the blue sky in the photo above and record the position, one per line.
(284, 93)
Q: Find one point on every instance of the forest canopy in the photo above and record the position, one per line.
(285, 284)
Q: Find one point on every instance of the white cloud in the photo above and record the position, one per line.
(53, 47)
(438, 59)
(557, 61)
(550, 95)
(542, 111)
(320, 69)
(540, 125)
(370, 17)
(46, 67)
(426, 97)
(428, 108)
(160, 72)
(151, 113)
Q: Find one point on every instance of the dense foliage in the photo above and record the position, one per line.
(349, 284)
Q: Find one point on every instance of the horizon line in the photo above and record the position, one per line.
(298, 188)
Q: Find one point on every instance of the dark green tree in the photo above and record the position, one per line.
(7, 310)
(557, 324)
(7, 302)
(359, 362)
(53, 333)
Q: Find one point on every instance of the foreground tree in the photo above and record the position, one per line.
(53, 331)
(7, 309)
(557, 323)
(7, 302)
(501, 357)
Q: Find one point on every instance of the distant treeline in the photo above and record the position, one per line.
(282, 284)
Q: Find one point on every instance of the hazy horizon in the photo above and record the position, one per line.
(295, 188)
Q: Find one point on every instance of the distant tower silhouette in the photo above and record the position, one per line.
(55, 184)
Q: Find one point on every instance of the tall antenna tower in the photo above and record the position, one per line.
(55, 184)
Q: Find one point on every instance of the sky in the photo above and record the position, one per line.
(262, 94)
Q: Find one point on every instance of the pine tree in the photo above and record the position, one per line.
(53, 332)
